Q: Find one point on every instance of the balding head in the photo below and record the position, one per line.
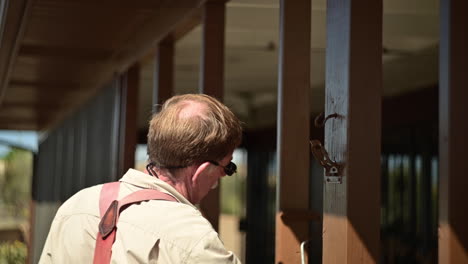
(191, 109)
(191, 129)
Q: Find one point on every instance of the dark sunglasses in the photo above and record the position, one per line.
(229, 169)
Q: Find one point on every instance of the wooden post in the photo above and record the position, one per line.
(128, 119)
(426, 199)
(212, 80)
(453, 131)
(14, 20)
(293, 128)
(412, 184)
(32, 217)
(257, 240)
(351, 222)
(164, 72)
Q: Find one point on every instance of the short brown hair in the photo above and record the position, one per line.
(176, 141)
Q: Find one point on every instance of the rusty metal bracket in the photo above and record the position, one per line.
(333, 169)
(320, 121)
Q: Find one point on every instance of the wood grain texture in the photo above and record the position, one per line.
(453, 131)
(14, 20)
(163, 86)
(212, 54)
(351, 222)
(293, 127)
(80, 46)
(212, 82)
(128, 119)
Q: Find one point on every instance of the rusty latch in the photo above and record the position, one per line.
(333, 169)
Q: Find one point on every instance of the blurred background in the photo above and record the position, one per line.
(60, 115)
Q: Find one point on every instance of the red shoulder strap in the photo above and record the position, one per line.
(110, 210)
(109, 193)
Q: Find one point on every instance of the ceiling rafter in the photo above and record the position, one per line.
(32, 105)
(17, 14)
(70, 50)
(47, 86)
(58, 5)
(75, 53)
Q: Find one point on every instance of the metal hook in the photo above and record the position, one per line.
(303, 258)
(320, 154)
(320, 121)
(333, 169)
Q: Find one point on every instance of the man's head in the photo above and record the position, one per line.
(192, 129)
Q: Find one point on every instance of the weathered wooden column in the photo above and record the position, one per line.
(163, 85)
(351, 221)
(128, 119)
(212, 79)
(453, 132)
(293, 129)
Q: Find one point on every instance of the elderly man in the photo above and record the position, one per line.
(190, 146)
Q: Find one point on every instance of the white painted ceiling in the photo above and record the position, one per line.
(410, 41)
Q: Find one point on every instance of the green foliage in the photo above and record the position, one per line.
(13, 253)
(233, 195)
(15, 183)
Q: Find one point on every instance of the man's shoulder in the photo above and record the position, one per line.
(84, 201)
(170, 213)
(170, 220)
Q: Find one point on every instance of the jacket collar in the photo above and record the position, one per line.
(146, 181)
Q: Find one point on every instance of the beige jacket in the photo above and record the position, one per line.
(149, 232)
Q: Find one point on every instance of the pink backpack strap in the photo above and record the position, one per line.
(108, 225)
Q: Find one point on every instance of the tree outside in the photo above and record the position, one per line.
(16, 168)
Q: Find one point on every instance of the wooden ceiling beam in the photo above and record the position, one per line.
(18, 122)
(46, 86)
(16, 14)
(51, 5)
(47, 98)
(62, 52)
(18, 125)
(183, 28)
(164, 21)
(21, 113)
(188, 24)
(34, 105)
(38, 58)
(16, 119)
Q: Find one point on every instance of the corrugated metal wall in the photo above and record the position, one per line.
(82, 151)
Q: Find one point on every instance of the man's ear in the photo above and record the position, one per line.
(200, 171)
